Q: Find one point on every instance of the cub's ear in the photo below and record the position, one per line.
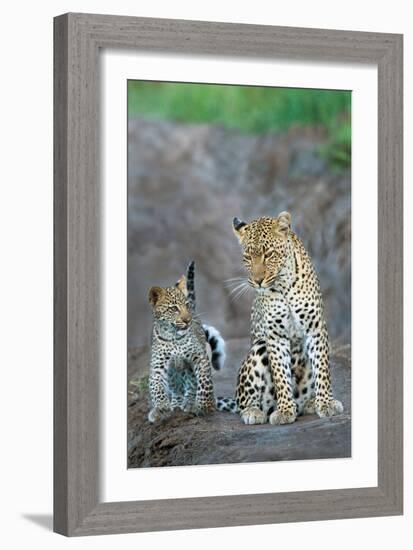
(155, 294)
(239, 228)
(181, 284)
(284, 221)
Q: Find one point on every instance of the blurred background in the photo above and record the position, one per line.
(200, 154)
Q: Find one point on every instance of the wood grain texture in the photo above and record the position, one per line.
(77, 314)
(60, 486)
(78, 39)
(390, 273)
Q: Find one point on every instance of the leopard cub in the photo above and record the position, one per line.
(183, 350)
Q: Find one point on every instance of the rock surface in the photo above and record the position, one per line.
(184, 439)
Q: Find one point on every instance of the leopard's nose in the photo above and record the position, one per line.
(259, 280)
(186, 319)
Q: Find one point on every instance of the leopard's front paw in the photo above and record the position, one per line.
(284, 415)
(309, 407)
(189, 408)
(253, 415)
(205, 407)
(156, 414)
(325, 408)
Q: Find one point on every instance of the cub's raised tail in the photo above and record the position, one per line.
(215, 341)
(217, 346)
(190, 285)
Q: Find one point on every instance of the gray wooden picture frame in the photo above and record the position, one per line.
(78, 38)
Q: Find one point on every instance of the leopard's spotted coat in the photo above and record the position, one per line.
(286, 371)
(182, 352)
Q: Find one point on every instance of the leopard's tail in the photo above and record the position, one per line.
(226, 404)
(217, 346)
(190, 285)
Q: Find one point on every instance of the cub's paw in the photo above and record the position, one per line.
(253, 415)
(156, 414)
(189, 408)
(328, 408)
(205, 408)
(309, 406)
(285, 415)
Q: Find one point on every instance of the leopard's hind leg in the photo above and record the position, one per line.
(190, 386)
(176, 383)
(255, 394)
(303, 379)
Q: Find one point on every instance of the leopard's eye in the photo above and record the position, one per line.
(246, 258)
(269, 255)
(174, 308)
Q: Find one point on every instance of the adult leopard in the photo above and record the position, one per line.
(286, 372)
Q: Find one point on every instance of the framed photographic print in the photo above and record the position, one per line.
(228, 274)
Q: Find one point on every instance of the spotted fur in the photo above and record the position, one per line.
(286, 371)
(216, 347)
(181, 351)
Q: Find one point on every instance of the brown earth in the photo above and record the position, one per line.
(185, 439)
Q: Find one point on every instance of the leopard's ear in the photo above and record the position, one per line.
(181, 284)
(155, 294)
(239, 228)
(284, 221)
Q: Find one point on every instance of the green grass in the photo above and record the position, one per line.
(338, 148)
(249, 109)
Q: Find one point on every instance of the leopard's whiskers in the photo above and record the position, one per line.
(239, 291)
(238, 296)
(234, 281)
(237, 287)
(198, 315)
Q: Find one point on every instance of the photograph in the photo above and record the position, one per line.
(239, 274)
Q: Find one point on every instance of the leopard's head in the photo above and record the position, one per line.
(265, 247)
(170, 304)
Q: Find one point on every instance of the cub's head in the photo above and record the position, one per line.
(264, 243)
(171, 305)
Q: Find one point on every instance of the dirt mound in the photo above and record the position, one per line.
(221, 437)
